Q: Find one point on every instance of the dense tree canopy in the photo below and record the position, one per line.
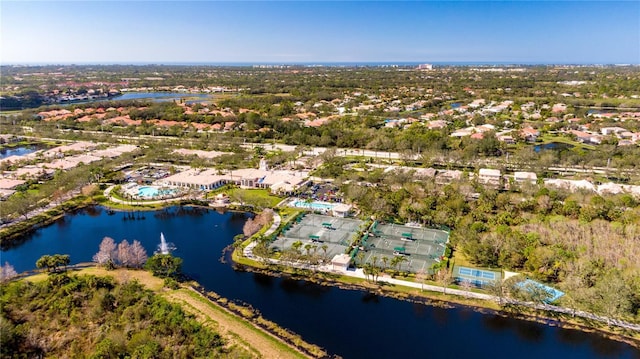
(94, 317)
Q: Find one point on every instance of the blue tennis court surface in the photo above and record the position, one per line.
(549, 294)
(476, 273)
(478, 277)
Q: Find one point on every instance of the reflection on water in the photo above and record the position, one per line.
(349, 323)
(19, 150)
(94, 211)
(526, 330)
(263, 280)
(370, 298)
(530, 331)
(440, 315)
(558, 146)
(300, 287)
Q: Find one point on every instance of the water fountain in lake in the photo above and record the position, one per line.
(164, 247)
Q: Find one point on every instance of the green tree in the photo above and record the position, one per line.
(296, 246)
(164, 265)
(324, 248)
(53, 262)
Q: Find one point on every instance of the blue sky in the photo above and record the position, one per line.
(319, 31)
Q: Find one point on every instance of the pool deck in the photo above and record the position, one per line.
(150, 192)
(319, 205)
(107, 194)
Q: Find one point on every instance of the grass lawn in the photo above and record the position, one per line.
(10, 112)
(256, 197)
(287, 213)
(461, 259)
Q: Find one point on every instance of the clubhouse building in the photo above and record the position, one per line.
(278, 181)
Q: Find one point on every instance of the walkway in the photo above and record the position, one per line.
(248, 250)
(359, 273)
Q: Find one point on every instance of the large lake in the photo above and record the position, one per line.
(162, 96)
(349, 323)
(152, 96)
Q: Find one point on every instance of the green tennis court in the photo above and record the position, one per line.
(321, 232)
(420, 247)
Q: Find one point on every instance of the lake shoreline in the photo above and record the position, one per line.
(449, 301)
(241, 314)
(428, 298)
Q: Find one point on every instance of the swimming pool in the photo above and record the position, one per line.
(148, 191)
(315, 205)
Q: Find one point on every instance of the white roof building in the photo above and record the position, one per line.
(525, 177)
(6, 183)
(197, 179)
(199, 153)
(277, 181)
(447, 176)
(489, 173)
(489, 176)
(571, 185)
(340, 261)
(341, 210)
(32, 172)
(615, 188)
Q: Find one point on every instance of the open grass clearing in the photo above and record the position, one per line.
(236, 330)
(256, 197)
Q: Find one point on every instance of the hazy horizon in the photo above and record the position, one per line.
(291, 32)
(319, 64)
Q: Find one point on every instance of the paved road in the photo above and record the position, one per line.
(374, 154)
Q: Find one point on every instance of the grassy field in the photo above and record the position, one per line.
(254, 197)
(235, 330)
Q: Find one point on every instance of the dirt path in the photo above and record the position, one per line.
(234, 329)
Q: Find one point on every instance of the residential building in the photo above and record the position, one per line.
(489, 176)
(521, 177)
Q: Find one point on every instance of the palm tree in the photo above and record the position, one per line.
(324, 249)
(385, 260)
(421, 275)
(360, 256)
(296, 246)
(401, 260)
(394, 262)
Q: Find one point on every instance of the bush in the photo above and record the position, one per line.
(171, 283)
(86, 317)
